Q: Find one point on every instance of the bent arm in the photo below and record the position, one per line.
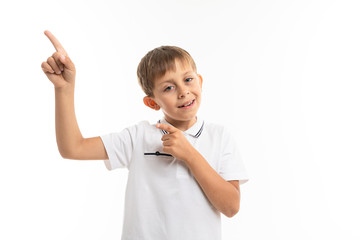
(70, 141)
(68, 135)
(223, 195)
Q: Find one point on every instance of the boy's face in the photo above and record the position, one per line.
(178, 94)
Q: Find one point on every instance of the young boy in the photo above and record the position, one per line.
(183, 172)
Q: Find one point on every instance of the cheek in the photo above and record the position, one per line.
(198, 91)
(164, 102)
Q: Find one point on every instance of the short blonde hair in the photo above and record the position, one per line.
(157, 62)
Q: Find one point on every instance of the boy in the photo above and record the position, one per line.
(183, 172)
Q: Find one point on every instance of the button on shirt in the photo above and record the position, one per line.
(163, 201)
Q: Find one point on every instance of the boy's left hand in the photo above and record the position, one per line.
(175, 143)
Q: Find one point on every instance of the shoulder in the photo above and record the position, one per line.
(144, 129)
(136, 130)
(141, 126)
(219, 133)
(215, 128)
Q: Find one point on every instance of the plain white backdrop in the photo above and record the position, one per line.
(284, 75)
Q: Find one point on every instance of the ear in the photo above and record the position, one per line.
(201, 80)
(149, 102)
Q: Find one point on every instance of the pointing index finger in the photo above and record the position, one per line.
(55, 42)
(166, 127)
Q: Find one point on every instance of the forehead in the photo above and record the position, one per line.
(181, 67)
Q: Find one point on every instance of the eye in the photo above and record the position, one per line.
(168, 88)
(188, 80)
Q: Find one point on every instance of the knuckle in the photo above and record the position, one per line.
(50, 59)
(56, 56)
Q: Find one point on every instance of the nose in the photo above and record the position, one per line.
(183, 91)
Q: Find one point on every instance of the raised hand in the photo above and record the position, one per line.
(175, 143)
(59, 68)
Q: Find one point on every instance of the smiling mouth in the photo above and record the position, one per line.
(188, 104)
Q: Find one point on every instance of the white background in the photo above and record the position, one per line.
(284, 75)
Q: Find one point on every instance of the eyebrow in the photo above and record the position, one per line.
(171, 80)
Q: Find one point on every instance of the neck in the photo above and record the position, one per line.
(182, 125)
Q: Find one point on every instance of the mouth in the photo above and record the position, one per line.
(188, 104)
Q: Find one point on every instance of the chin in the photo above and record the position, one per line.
(180, 118)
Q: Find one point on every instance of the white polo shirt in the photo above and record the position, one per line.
(163, 201)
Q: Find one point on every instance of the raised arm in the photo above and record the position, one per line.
(61, 71)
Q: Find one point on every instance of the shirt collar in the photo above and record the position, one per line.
(194, 131)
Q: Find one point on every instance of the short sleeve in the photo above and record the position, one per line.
(119, 147)
(232, 166)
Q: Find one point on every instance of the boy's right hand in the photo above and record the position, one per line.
(60, 71)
